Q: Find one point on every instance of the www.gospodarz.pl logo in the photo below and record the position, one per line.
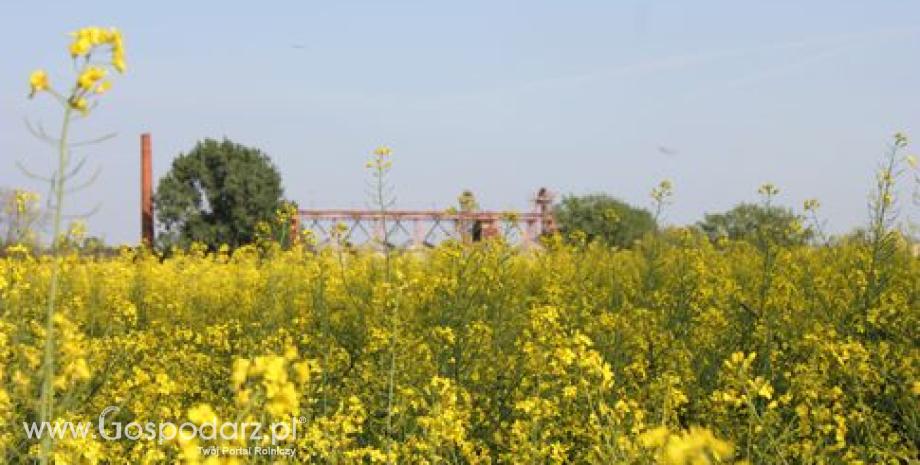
(209, 431)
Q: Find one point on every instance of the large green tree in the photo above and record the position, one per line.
(603, 218)
(757, 223)
(217, 194)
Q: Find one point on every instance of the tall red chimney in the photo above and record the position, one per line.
(146, 191)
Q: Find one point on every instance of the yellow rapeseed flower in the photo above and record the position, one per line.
(812, 204)
(80, 47)
(737, 357)
(202, 413)
(118, 51)
(103, 87)
(240, 371)
(79, 103)
(118, 61)
(302, 369)
(654, 438)
(765, 391)
(90, 76)
(38, 81)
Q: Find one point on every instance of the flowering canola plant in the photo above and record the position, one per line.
(94, 51)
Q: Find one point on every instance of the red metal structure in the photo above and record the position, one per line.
(425, 228)
(146, 190)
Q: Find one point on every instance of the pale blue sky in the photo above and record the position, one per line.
(497, 96)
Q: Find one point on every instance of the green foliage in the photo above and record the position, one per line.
(757, 223)
(600, 217)
(217, 194)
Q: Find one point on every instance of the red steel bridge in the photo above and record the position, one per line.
(413, 229)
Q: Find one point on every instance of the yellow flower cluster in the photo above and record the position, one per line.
(269, 382)
(695, 446)
(87, 39)
(381, 161)
(92, 74)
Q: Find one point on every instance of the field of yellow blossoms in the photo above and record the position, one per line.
(679, 351)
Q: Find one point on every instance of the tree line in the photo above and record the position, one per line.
(221, 193)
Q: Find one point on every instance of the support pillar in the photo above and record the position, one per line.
(146, 191)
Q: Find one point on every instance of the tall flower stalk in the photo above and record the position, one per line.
(383, 199)
(95, 51)
(881, 238)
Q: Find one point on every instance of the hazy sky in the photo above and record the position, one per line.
(497, 96)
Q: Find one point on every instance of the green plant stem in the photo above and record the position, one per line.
(391, 376)
(47, 399)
